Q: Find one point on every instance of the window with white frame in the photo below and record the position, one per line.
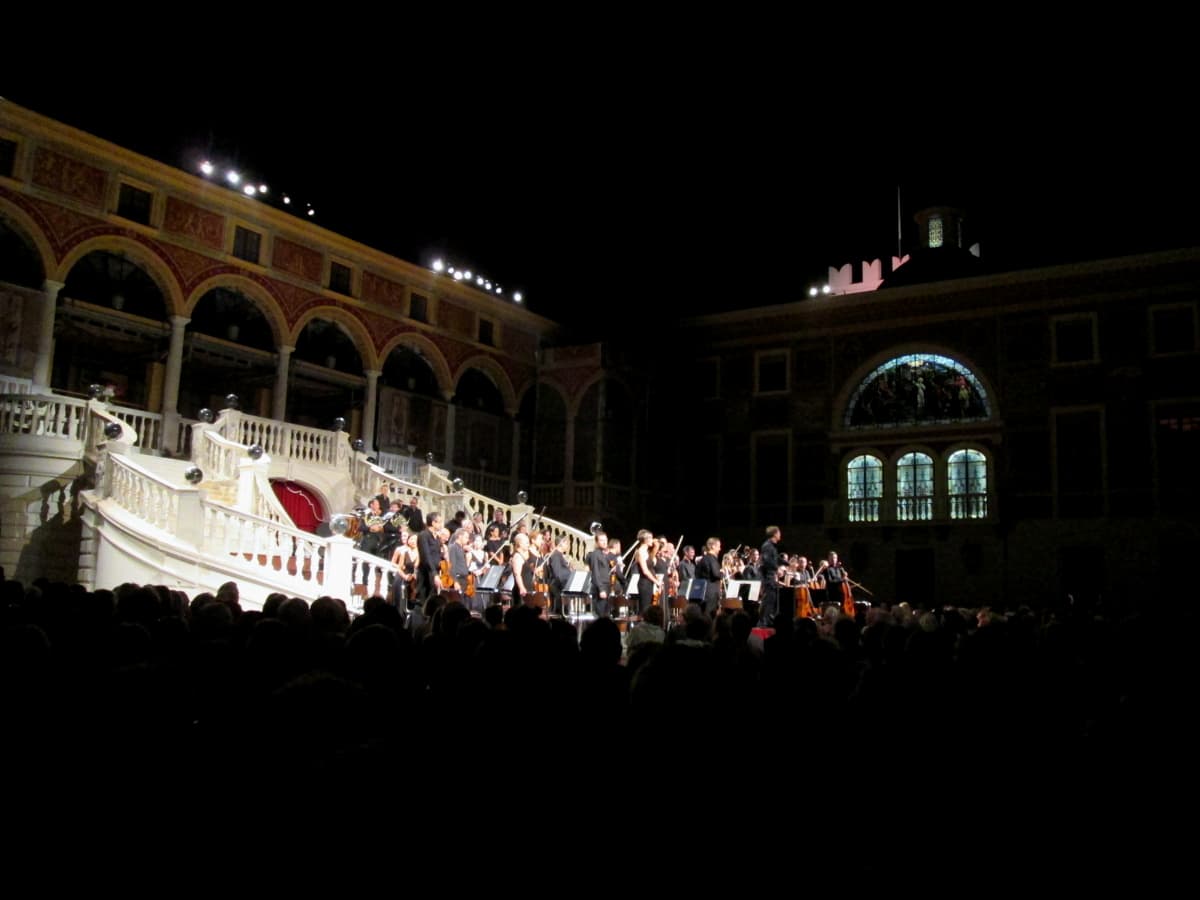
(967, 481)
(864, 488)
(914, 488)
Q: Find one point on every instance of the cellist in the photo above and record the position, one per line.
(837, 583)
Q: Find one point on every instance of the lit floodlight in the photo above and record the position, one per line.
(487, 285)
(311, 211)
(499, 291)
(458, 276)
(467, 275)
(286, 200)
(518, 296)
(438, 265)
(249, 190)
(825, 289)
(479, 279)
(812, 292)
(207, 168)
(232, 177)
(262, 188)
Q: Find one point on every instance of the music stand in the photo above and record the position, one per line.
(696, 589)
(744, 590)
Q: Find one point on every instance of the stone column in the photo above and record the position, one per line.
(45, 346)
(368, 424)
(170, 401)
(279, 395)
(569, 466)
(449, 461)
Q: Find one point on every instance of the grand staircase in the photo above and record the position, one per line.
(197, 510)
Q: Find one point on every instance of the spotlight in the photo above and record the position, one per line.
(479, 279)
(205, 415)
(249, 190)
(254, 451)
(207, 168)
(498, 291)
(438, 265)
(339, 524)
(359, 445)
(193, 475)
(231, 401)
(451, 270)
(429, 457)
(232, 177)
(287, 200)
(458, 276)
(311, 211)
(518, 297)
(112, 431)
(487, 285)
(262, 188)
(95, 391)
(825, 289)
(467, 275)
(522, 497)
(339, 424)
(812, 292)
(457, 484)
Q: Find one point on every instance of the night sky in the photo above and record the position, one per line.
(620, 206)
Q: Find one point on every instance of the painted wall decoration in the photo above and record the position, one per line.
(917, 389)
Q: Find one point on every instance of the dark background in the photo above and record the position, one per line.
(615, 202)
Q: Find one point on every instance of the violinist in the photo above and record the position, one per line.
(403, 588)
(429, 549)
(643, 561)
(600, 567)
(617, 580)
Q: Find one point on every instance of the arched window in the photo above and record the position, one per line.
(914, 488)
(917, 389)
(967, 473)
(864, 488)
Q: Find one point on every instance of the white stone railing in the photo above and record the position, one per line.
(375, 572)
(216, 456)
(96, 439)
(370, 479)
(10, 384)
(147, 425)
(291, 558)
(406, 468)
(264, 502)
(143, 493)
(44, 415)
(285, 441)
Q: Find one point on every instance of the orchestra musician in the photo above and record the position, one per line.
(522, 568)
(457, 554)
(429, 549)
(768, 565)
(559, 572)
(600, 566)
(709, 569)
(837, 579)
(648, 580)
(405, 558)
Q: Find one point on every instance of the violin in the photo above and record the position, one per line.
(444, 578)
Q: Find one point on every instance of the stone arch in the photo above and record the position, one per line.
(252, 291)
(577, 401)
(495, 371)
(22, 224)
(549, 383)
(428, 351)
(355, 329)
(143, 255)
(852, 386)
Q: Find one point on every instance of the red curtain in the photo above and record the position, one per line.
(300, 503)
